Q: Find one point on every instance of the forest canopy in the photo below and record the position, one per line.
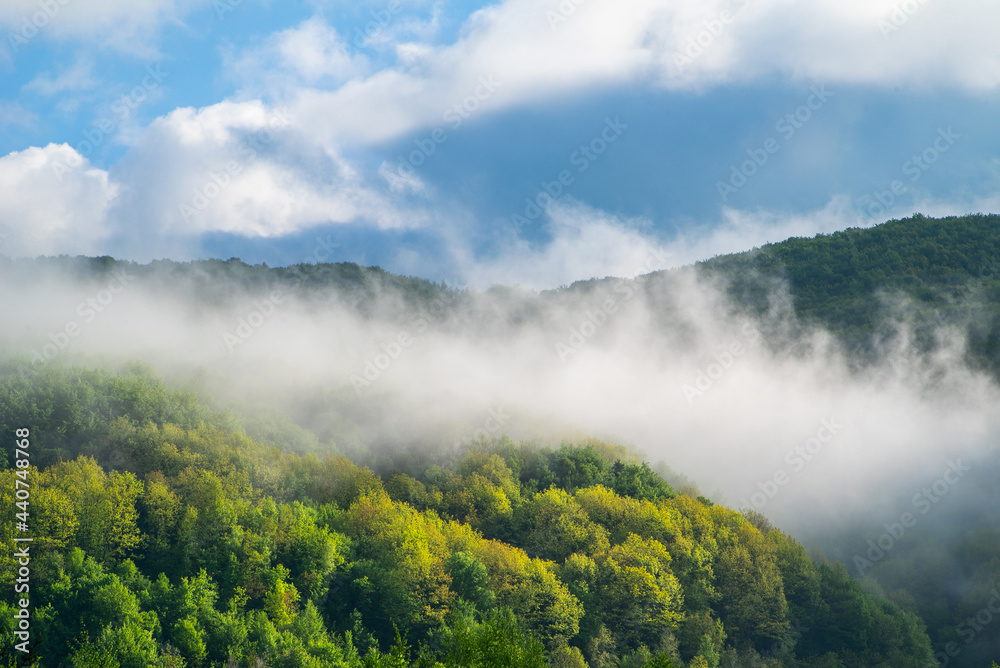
(167, 536)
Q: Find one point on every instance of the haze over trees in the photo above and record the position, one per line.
(178, 523)
(173, 538)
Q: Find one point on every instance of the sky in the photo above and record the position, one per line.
(531, 142)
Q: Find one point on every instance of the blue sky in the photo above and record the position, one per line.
(430, 137)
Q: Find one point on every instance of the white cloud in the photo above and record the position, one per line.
(388, 33)
(78, 76)
(246, 169)
(47, 208)
(400, 180)
(587, 242)
(614, 42)
(513, 53)
(315, 52)
(309, 54)
(238, 168)
(741, 230)
(546, 49)
(510, 45)
(13, 114)
(121, 24)
(856, 42)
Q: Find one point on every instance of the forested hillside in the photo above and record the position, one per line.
(859, 284)
(271, 499)
(853, 282)
(166, 536)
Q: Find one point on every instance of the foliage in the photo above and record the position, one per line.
(169, 537)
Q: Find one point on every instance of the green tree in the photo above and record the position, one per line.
(497, 642)
(470, 580)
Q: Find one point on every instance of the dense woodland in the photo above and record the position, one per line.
(172, 538)
(854, 283)
(172, 532)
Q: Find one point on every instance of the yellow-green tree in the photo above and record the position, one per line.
(639, 594)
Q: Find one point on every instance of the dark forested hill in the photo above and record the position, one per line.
(849, 282)
(920, 256)
(853, 283)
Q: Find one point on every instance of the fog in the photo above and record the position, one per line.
(759, 411)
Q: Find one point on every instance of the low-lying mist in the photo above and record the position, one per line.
(760, 409)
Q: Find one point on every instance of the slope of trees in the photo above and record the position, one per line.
(859, 282)
(170, 533)
(167, 537)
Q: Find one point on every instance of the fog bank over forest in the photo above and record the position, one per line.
(757, 406)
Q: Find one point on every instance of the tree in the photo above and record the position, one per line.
(752, 600)
(552, 525)
(470, 580)
(105, 507)
(640, 596)
(497, 642)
